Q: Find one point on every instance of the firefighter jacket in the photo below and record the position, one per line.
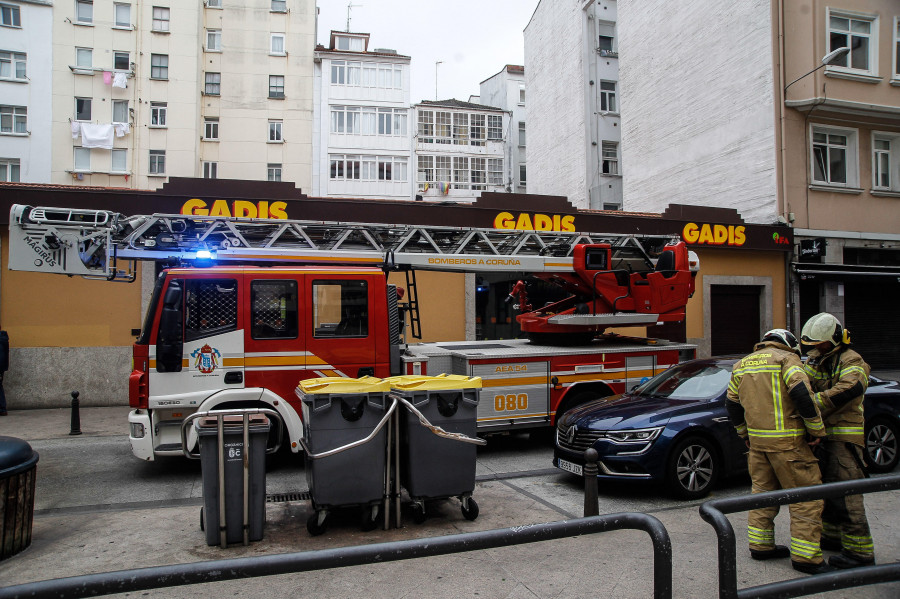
(770, 400)
(840, 378)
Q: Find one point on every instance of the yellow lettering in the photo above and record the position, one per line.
(542, 222)
(568, 224)
(706, 235)
(739, 237)
(244, 209)
(504, 220)
(220, 208)
(524, 223)
(278, 210)
(690, 233)
(194, 207)
(263, 209)
(720, 233)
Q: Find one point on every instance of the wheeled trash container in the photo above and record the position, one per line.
(432, 466)
(18, 465)
(232, 487)
(345, 444)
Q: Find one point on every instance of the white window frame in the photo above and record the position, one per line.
(609, 157)
(895, 73)
(276, 95)
(213, 3)
(523, 175)
(338, 72)
(522, 134)
(891, 155)
(844, 64)
(118, 155)
(81, 53)
(521, 94)
(125, 23)
(14, 60)
(157, 166)
(211, 129)
(273, 171)
(851, 155)
(120, 103)
(213, 40)
(495, 127)
(283, 39)
(212, 79)
(210, 169)
(7, 167)
(495, 172)
(15, 119)
(90, 105)
(608, 97)
(161, 16)
(278, 6)
(10, 15)
(84, 12)
(81, 160)
(159, 111)
(117, 54)
(276, 132)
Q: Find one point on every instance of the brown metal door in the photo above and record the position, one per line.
(734, 319)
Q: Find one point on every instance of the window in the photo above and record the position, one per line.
(368, 168)
(522, 178)
(82, 109)
(886, 161)
(521, 94)
(276, 86)
(460, 172)
(118, 161)
(476, 129)
(495, 171)
(213, 40)
(84, 58)
(277, 44)
(340, 308)
(123, 15)
(275, 132)
(857, 33)
(210, 170)
(896, 47)
(273, 309)
(608, 96)
(14, 119)
(121, 61)
(279, 5)
(159, 66)
(12, 65)
(610, 157)
(354, 70)
(82, 161)
(369, 75)
(9, 170)
(211, 129)
(425, 169)
(273, 172)
(345, 119)
(478, 173)
(120, 111)
(338, 72)
(460, 128)
(344, 42)
(834, 156)
(210, 307)
(213, 3)
(495, 127)
(426, 127)
(84, 11)
(9, 16)
(606, 38)
(157, 162)
(442, 169)
(213, 84)
(158, 114)
(521, 133)
(442, 127)
(161, 18)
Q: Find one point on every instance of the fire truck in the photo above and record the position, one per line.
(246, 308)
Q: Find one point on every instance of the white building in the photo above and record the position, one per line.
(201, 89)
(26, 30)
(362, 131)
(571, 72)
(506, 90)
(460, 149)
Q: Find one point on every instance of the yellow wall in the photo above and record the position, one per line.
(44, 310)
(442, 304)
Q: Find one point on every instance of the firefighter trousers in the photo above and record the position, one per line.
(844, 518)
(774, 470)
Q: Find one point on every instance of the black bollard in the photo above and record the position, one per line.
(591, 504)
(76, 418)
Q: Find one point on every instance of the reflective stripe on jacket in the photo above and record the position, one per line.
(840, 379)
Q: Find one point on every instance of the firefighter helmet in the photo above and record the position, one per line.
(824, 327)
(783, 336)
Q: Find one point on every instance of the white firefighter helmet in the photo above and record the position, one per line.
(783, 336)
(824, 327)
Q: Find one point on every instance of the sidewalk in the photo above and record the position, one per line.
(615, 564)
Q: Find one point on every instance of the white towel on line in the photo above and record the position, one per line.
(97, 136)
(76, 129)
(120, 80)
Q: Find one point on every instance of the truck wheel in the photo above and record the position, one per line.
(370, 518)
(470, 509)
(314, 527)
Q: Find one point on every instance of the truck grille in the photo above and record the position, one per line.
(579, 441)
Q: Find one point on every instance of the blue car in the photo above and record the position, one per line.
(674, 429)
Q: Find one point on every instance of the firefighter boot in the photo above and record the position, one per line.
(844, 561)
(776, 552)
(808, 568)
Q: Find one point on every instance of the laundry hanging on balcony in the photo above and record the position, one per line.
(97, 136)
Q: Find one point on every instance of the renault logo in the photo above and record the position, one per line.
(570, 435)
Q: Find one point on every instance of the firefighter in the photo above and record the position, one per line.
(840, 376)
(772, 408)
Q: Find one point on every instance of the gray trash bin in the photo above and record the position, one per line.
(18, 465)
(338, 412)
(433, 467)
(233, 472)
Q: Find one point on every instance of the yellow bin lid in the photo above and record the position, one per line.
(441, 382)
(337, 384)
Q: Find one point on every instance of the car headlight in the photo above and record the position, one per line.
(638, 435)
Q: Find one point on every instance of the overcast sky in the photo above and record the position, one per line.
(474, 39)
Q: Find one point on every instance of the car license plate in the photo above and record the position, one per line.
(570, 467)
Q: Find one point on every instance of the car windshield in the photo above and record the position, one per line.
(687, 381)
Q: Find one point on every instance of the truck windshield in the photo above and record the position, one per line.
(144, 339)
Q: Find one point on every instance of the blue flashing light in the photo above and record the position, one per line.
(204, 255)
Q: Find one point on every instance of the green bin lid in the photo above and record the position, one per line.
(337, 384)
(441, 382)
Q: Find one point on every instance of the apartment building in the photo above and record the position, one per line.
(362, 129)
(506, 90)
(574, 133)
(147, 90)
(755, 106)
(26, 31)
(460, 149)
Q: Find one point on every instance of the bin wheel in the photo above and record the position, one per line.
(314, 527)
(470, 509)
(419, 515)
(202, 525)
(370, 518)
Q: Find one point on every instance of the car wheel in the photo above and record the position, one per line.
(882, 445)
(693, 468)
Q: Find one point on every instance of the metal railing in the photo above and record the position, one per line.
(714, 512)
(287, 563)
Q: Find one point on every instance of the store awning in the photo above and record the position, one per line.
(840, 272)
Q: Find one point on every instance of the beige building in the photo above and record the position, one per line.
(143, 91)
